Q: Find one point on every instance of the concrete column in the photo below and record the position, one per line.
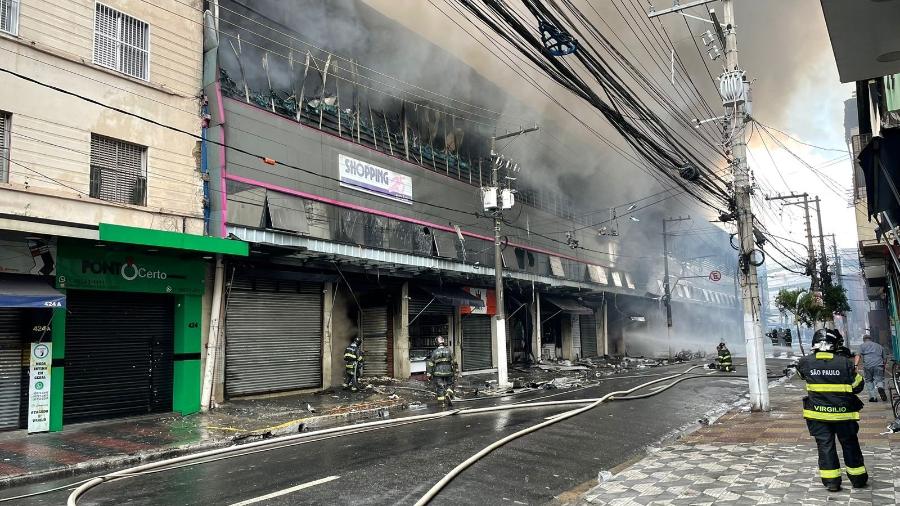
(401, 335)
(535, 309)
(568, 344)
(327, 332)
(493, 343)
(456, 333)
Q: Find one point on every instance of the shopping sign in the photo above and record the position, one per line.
(487, 296)
(715, 276)
(39, 388)
(365, 177)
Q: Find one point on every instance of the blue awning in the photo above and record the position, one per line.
(29, 292)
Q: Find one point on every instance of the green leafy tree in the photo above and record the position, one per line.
(802, 305)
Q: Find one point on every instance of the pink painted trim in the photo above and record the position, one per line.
(222, 171)
(347, 205)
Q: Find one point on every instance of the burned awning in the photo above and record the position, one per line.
(453, 296)
(568, 305)
(29, 292)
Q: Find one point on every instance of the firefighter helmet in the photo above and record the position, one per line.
(826, 340)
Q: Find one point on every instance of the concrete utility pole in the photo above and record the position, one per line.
(666, 286)
(823, 261)
(500, 317)
(734, 89)
(794, 199)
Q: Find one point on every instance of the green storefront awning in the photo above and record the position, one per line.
(174, 240)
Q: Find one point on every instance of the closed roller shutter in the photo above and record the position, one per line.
(11, 343)
(119, 355)
(375, 340)
(588, 326)
(576, 335)
(476, 342)
(426, 306)
(273, 336)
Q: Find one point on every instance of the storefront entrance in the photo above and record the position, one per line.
(119, 355)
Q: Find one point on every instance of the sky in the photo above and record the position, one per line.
(784, 48)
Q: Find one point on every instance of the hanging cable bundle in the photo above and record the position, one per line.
(651, 138)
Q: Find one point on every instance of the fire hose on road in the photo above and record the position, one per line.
(310, 437)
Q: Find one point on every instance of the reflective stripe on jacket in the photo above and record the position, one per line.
(832, 384)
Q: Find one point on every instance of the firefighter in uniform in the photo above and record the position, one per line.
(440, 370)
(724, 358)
(831, 408)
(353, 360)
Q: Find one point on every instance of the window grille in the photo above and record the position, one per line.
(121, 42)
(118, 171)
(9, 16)
(4, 146)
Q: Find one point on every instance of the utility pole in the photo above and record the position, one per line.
(794, 199)
(823, 261)
(734, 89)
(666, 286)
(496, 206)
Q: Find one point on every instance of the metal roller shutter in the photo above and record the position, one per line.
(375, 340)
(588, 326)
(273, 336)
(421, 305)
(476, 342)
(11, 343)
(119, 355)
(576, 335)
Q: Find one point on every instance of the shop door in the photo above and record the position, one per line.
(119, 355)
(273, 336)
(588, 326)
(374, 325)
(11, 321)
(476, 342)
(576, 336)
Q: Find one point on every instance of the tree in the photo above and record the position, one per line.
(802, 305)
(786, 302)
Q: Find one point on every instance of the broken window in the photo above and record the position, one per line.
(287, 212)
(598, 274)
(9, 16)
(121, 42)
(4, 146)
(556, 267)
(118, 171)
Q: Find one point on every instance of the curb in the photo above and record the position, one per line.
(292, 427)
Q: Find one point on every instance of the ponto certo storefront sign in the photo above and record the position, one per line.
(39, 388)
(365, 177)
(93, 268)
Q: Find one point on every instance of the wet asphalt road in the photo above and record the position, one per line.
(397, 465)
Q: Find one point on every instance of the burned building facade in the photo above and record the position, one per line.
(358, 185)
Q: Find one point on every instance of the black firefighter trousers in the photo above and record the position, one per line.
(829, 465)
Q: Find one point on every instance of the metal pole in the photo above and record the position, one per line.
(756, 359)
(668, 293)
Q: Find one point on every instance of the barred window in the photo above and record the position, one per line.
(118, 171)
(121, 42)
(4, 146)
(9, 16)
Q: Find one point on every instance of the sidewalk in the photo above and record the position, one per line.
(756, 458)
(96, 446)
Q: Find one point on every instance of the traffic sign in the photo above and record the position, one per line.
(715, 276)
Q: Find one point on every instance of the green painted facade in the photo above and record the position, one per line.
(81, 265)
(173, 240)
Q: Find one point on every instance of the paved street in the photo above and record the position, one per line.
(397, 465)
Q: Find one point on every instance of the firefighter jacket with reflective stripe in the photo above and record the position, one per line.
(724, 356)
(832, 384)
(352, 355)
(440, 363)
